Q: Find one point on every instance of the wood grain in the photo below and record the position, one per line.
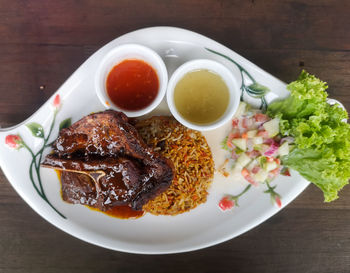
(43, 42)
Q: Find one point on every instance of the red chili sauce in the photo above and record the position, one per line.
(132, 85)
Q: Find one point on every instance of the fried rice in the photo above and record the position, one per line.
(193, 162)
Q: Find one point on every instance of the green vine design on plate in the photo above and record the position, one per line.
(37, 130)
(255, 89)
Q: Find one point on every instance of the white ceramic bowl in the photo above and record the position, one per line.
(125, 52)
(212, 66)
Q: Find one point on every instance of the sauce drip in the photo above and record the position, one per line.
(132, 85)
(122, 212)
(201, 96)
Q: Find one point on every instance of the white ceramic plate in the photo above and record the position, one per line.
(204, 226)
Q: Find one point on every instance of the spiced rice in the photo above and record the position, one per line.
(192, 158)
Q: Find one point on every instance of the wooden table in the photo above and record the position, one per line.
(43, 42)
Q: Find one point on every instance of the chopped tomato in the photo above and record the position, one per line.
(235, 133)
(235, 122)
(285, 172)
(253, 154)
(256, 169)
(259, 117)
(245, 172)
(275, 172)
(230, 137)
(263, 134)
(229, 141)
(246, 175)
(270, 159)
(245, 135)
(245, 122)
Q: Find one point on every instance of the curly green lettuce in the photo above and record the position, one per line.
(322, 138)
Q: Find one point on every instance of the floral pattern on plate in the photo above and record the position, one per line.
(37, 130)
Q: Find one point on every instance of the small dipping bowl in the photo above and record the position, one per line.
(226, 76)
(130, 52)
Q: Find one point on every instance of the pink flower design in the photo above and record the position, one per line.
(275, 197)
(278, 201)
(13, 141)
(57, 101)
(226, 203)
(229, 201)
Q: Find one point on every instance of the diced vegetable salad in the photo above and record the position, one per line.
(255, 145)
(303, 131)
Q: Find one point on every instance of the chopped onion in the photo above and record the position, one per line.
(272, 149)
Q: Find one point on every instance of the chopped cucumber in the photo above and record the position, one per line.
(269, 166)
(272, 127)
(264, 148)
(252, 133)
(241, 109)
(251, 165)
(261, 175)
(243, 160)
(257, 147)
(258, 140)
(237, 168)
(283, 149)
(240, 143)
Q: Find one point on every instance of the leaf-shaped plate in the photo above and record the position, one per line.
(202, 227)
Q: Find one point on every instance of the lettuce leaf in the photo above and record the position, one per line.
(322, 138)
(321, 168)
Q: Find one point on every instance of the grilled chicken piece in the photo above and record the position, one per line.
(105, 163)
(107, 182)
(106, 133)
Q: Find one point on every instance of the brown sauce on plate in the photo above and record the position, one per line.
(122, 212)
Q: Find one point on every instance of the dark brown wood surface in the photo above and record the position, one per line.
(43, 42)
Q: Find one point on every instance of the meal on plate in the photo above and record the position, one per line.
(105, 163)
(127, 161)
(192, 158)
(157, 165)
